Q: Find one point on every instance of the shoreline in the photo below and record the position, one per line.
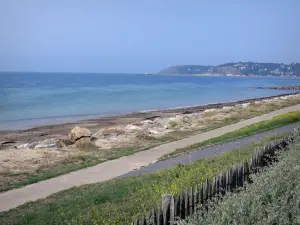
(62, 129)
(222, 75)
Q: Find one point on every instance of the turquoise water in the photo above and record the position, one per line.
(32, 99)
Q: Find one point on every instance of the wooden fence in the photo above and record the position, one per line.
(186, 204)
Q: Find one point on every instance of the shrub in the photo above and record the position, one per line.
(113, 131)
(85, 144)
(173, 124)
(272, 198)
(144, 135)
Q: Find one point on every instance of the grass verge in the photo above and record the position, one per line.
(69, 165)
(275, 122)
(118, 201)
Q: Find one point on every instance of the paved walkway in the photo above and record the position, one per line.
(214, 150)
(118, 167)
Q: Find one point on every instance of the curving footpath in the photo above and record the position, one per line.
(118, 167)
(189, 157)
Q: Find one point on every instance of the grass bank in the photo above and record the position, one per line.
(118, 201)
(247, 131)
(272, 198)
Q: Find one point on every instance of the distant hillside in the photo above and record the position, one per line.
(185, 69)
(240, 68)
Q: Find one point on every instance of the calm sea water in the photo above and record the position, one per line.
(32, 99)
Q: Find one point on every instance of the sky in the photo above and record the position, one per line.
(137, 36)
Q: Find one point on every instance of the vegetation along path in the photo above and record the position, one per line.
(118, 167)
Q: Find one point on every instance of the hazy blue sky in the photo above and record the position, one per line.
(145, 35)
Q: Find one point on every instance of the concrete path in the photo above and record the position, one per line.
(189, 157)
(118, 167)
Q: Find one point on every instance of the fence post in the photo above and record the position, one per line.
(205, 194)
(159, 217)
(253, 163)
(219, 182)
(216, 188)
(168, 209)
(259, 158)
(222, 183)
(261, 155)
(191, 197)
(246, 172)
(172, 211)
(182, 205)
(196, 197)
(209, 187)
(201, 193)
(142, 221)
(151, 219)
(239, 175)
(228, 180)
(233, 179)
(186, 203)
(214, 185)
(177, 206)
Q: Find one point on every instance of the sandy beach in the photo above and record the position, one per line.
(8, 138)
(28, 156)
(11, 138)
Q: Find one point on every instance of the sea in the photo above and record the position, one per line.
(34, 99)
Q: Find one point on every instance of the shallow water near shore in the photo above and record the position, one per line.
(33, 99)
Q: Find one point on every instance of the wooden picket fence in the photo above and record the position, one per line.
(187, 203)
